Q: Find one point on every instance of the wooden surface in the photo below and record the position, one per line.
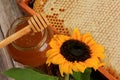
(9, 11)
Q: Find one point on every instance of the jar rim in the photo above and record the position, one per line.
(12, 30)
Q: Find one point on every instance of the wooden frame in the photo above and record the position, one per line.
(28, 11)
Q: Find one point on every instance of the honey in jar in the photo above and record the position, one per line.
(31, 48)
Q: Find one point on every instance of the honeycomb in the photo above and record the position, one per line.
(53, 19)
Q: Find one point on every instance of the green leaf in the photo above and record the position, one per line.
(27, 74)
(82, 76)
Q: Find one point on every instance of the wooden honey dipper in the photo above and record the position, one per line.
(37, 23)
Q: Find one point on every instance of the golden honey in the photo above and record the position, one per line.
(30, 49)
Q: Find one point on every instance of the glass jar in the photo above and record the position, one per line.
(31, 48)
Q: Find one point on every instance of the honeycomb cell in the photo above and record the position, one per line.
(61, 10)
(52, 9)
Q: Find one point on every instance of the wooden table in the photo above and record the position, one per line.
(9, 11)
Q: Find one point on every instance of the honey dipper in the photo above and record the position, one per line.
(36, 24)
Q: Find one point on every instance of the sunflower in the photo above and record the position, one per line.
(74, 53)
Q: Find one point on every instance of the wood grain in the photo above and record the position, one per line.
(9, 11)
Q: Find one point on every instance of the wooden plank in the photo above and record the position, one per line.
(9, 11)
(5, 60)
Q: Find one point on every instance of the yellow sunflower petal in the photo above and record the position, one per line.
(47, 62)
(101, 64)
(91, 43)
(92, 62)
(63, 38)
(79, 67)
(86, 38)
(74, 68)
(99, 55)
(52, 52)
(58, 40)
(54, 44)
(76, 34)
(65, 68)
(52, 56)
(98, 50)
(57, 59)
(70, 68)
(61, 70)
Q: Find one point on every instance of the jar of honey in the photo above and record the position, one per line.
(31, 48)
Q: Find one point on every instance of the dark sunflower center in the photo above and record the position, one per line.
(74, 50)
